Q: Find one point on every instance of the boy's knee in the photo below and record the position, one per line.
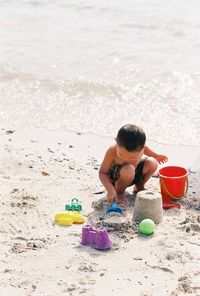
(127, 172)
(151, 164)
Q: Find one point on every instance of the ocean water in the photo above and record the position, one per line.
(92, 66)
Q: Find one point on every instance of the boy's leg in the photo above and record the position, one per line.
(149, 168)
(127, 174)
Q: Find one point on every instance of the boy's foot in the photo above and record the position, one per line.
(122, 199)
(138, 188)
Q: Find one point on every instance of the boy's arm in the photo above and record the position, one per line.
(159, 157)
(103, 174)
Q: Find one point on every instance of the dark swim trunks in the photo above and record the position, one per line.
(114, 173)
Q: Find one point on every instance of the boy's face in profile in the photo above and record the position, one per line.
(124, 154)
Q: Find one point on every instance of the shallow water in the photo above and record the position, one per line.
(94, 66)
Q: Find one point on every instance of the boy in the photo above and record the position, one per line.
(128, 162)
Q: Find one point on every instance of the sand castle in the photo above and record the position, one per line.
(148, 205)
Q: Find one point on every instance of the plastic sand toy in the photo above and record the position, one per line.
(95, 238)
(75, 205)
(173, 185)
(114, 208)
(68, 218)
(147, 227)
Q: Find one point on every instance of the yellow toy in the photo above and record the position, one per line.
(67, 218)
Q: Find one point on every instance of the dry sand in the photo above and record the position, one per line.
(39, 257)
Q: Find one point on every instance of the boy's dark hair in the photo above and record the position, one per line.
(131, 137)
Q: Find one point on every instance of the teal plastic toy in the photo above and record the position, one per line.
(147, 227)
(75, 205)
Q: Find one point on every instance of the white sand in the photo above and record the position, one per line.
(40, 258)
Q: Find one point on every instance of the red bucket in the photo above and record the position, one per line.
(173, 184)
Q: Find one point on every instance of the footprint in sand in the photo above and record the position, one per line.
(88, 267)
(21, 200)
(28, 286)
(178, 256)
(184, 284)
(29, 244)
(190, 224)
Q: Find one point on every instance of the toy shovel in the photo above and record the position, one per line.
(114, 208)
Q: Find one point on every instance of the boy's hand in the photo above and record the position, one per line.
(161, 158)
(111, 196)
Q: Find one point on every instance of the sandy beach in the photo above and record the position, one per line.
(72, 73)
(40, 171)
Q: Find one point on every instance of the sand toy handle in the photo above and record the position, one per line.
(114, 205)
(169, 194)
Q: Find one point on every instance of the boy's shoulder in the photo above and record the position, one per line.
(112, 150)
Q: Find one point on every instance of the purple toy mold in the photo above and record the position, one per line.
(95, 238)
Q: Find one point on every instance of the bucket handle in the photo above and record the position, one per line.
(170, 195)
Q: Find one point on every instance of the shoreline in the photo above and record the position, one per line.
(185, 155)
(40, 258)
